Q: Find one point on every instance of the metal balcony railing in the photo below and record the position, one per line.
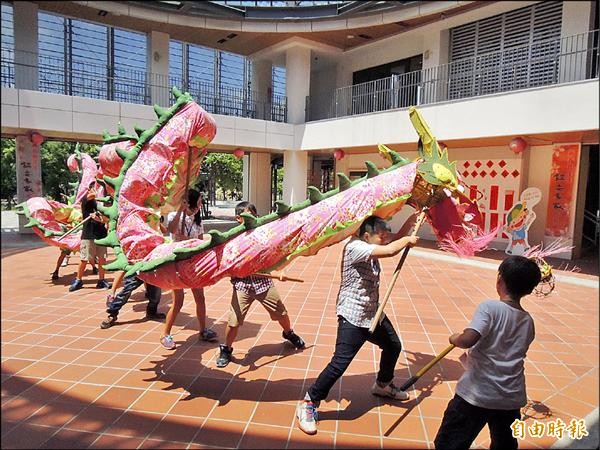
(25, 70)
(543, 63)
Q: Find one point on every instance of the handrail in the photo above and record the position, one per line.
(594, 220)
(26, 70)
(542, 63)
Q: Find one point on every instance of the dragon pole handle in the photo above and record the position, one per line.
(418, 223)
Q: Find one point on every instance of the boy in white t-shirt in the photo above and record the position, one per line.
(492, 389)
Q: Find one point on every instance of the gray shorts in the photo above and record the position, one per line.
(89, 250)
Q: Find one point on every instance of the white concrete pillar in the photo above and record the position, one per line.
(295, 166)
(297, 72)
(25, 25)
(246, 177)
(436, 49)
(29, 174)
(158, 67)
(576, 54)
(259, 182)
(262, 85)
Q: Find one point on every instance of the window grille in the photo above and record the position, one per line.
(201, 77)
(53, 45)
(129, 66)
(88, 59)
(8, 46)
(279, 85)
(507, 51)
(91, 60)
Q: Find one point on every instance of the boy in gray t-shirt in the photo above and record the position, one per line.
(492, 389)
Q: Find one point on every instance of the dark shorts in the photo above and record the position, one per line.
(462, 423)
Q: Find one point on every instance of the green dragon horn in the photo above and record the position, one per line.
(314, 195)
(121, 130)
(160, 111)
(343, 181)
(282, 208)
(217, 237)
(138, 130)
(176, 92)
(372, 170)
(250, 221)
(105, 135)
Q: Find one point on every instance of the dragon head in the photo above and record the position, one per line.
(454, 218)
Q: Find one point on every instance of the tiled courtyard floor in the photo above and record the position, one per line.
(66, 383)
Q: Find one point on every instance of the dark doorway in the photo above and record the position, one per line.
(321, 173)
(276, 179)
(591, 217)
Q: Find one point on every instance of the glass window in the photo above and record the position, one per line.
(8, 47)
(129, 54)
(89, 59)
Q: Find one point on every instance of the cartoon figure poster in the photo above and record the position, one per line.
(519, 219)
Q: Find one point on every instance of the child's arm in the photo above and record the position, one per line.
(467, 339)
(394, 247)
(407, 227)
(174, 225)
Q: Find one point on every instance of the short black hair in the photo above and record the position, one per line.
(242, 206)
(192, 197)
(373, 225)
(520, 275)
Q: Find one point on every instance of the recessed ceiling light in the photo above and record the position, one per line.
(350, 36)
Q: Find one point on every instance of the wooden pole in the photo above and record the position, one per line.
(412, 380)
(418, 224)
(185, 193)
(282, 278)
(75, 228)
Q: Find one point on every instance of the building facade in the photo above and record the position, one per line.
(293, 82)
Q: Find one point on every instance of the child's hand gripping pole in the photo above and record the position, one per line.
(418, 224)
(412, 380)
(75, 228)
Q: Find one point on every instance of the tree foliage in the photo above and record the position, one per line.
(55, 174)
(8, 169)
(224, 171)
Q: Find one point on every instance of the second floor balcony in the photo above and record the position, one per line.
(543, 63)
(24, 70)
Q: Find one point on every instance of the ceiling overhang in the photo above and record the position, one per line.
(252, 36)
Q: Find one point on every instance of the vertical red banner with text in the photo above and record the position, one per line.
(565, 158)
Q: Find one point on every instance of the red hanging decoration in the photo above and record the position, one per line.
(339, 153)
(518, 145)
(36, 138)
(238, 153)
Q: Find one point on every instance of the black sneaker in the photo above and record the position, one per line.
(55, 275)
(224, 355)
(103, 284)
(153, 315)
(75, 285)
(108, 322)
(294, 339)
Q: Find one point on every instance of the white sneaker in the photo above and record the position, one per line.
(390, 391)
(306, 412)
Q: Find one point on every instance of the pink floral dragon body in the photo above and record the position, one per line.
(51, 219)
(150, 173)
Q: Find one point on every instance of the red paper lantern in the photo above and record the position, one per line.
(339, 153)
(518, 145)
(238, 153)
(37, 138)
